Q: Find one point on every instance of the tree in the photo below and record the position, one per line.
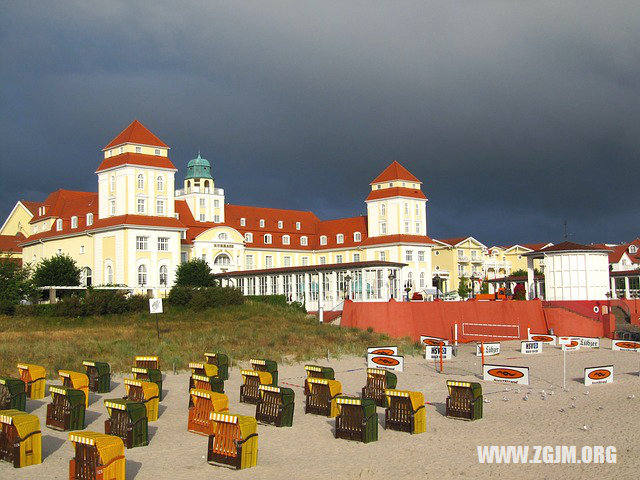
(15, 282)
(463, 288)
(519, 292)
(484, 288)
(60, 270)
(523, 273)
(194, 273)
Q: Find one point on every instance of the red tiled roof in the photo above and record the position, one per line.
(625, 273)
(130, 220)
(395, 192)
(10, 243)
(395, 171)
(136, 133)
(398, 239)
(129, 158)
(31, 206)
(345, 226)
(535, 246)
(65, 203)
(312, 268)
(568, 247)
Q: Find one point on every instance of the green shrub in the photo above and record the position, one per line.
(180, 296)
(194, 273)
(7, 307)
(71, 306)
(137, 303)
(60, 270)
(280, 300)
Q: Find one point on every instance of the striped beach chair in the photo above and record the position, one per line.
(464, 400)
(144, 392)
(317, 371)
(357, 419)
(67, 409)
(150, 375)
(262, 365)
(99, 374)
(76, 380)
(221, 361)
(35, 378)
(202, 404)
(234, 441)
(20, 438)
(251, 380)
(405, 411)
(275, 406)
(321, 399)
(378, 380)
(97, 457)
(147, 361)
(127, 420)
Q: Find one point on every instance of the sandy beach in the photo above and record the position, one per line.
(448, 449)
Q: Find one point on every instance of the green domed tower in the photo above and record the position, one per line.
(205, 201)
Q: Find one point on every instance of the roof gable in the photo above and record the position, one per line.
(136, 133)
(395, 171)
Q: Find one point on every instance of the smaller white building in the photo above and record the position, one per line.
(571, 272)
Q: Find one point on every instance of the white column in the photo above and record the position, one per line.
(627, 294)
(307, 288)
(612, 280)
(530, 277)
(333, 285)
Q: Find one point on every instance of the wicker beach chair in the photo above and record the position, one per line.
(146, 361)
(97, 457)
(464, 400)
(357, 419)
(99, 374)
(202, 382)
(316, 371)
(77, 381)
(378, 380)
(34, 377)
(405, 411)
(262, 365)
(145, 392)
(67, 409)
(234, 441)
(149, 375)
(127, 420)
(251, 380)
(276, 406)
(20, 438)
(201, 404)
(13, 394)
(221, 361)
(321, 399)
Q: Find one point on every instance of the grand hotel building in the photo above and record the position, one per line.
(139, 227)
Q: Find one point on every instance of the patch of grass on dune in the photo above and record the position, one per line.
(242, 332)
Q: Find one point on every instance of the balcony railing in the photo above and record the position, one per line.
(210, 191)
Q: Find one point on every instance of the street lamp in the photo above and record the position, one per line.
(437, 279)
(347, 286)
(407, 288)
(392, 277)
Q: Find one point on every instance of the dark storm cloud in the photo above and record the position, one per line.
(516, 115)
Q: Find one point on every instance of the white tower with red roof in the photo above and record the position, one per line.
(396, 204)
(136, 176)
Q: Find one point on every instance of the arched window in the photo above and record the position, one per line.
(59, 224)
(323, 240)
(164, 275)
(108, 275)
(142, 275)
(267, 238)
(140, 181)
(86, 276)
(248, 237)
(74, 222)
(286, 239)
(340, 238)
(222, 260)
(89, 219)
(160, 182)
(304, 241)
(112, 184)
(223, 236)
(357, 237)
(421, 279)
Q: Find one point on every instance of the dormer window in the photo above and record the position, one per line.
(379, 187)
(74, 222)
(243, 222)
(357, 237)
(286, 240)
(280, 224)
(261, 223)
(59, 224)
(157, 151)
(633, 249)
(121, 149)
(140, 181)
(248, 237)
(297, 225)
(304, 241)
(340, 238)
(138, 149)
(41, 211)
(267, 239)
(323, 240)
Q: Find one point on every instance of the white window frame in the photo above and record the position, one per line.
(59, 224)
(383, 228)
(268, 239)
(140, 181)
(304, 241)
(160, 183)
(280, 224)
(163, 244)
(298, 226)
(89, 219)
(112, 207)
(268, 261)
(160, 206)
(383, 210)
(142, 243)
(248, 237)
(356, 257)
(262, 223)
(157, 151)
(323, 239)
(421, 255)
(339, 238)
(138, 149)
(74, 222)
(243, 222)
(408, 256)
(203, 217)
(357, 237)
(287, 261)
(163, 275)
(112, 183)
(142, 276)
(339, 258)
(286, 240)
(143, 202)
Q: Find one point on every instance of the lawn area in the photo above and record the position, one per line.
(252, 330)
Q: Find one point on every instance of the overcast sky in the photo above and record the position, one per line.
(516, 115)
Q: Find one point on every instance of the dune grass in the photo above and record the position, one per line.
(252, 330)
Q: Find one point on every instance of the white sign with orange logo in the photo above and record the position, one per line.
(426, 340)
(506, 374)
(388, 362)
(593, 375)
(625, 345)
(542, 337)
(383, 350)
